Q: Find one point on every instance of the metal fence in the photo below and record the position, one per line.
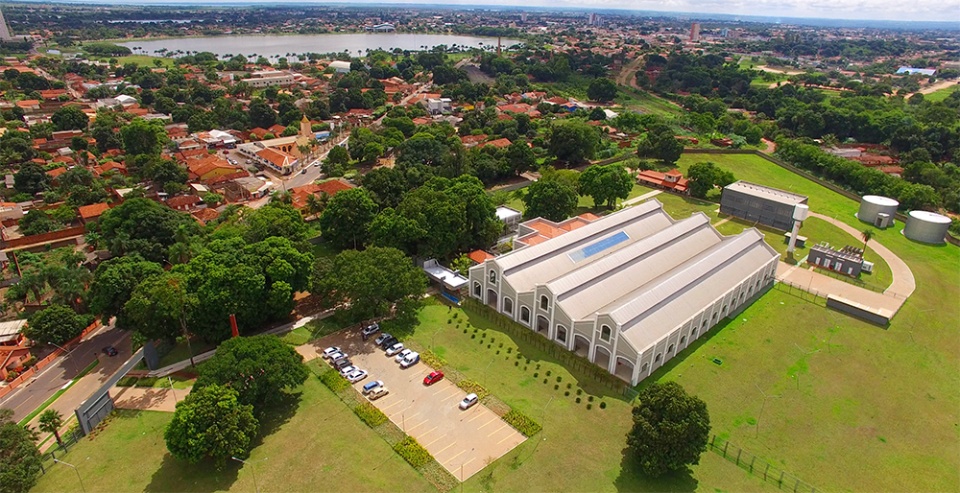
(68, 440)
(759, 467)
(803, 292)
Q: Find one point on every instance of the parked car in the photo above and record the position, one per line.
(342, 363)
(110, 351)
(370, 329)
(469, 401)
(356, 375)
(394, 349)
(370, 387)
(338, 356)
(433, 377)
(378, 393)
(382, 337)
(390, 341)
(346, 370)
(403, 354)
(410, 360)
(329, 351)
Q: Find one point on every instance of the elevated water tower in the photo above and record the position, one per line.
(800, 213)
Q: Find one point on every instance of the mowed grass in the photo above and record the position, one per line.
(941, 94)
(578, 449)
(320, 446)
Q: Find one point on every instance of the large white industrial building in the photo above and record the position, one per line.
(630, 290)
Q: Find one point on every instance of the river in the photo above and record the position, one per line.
(275, 46)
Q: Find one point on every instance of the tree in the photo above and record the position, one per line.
(670, 429)
(573, 141)
(345, 223)
(30, 179)
(549, 199)
(371, 281)
(211, 423)
(259, 368)
(159, 307)
(338, 155)
(56, 323)
(143, 226)
(114, 282)
(37, 222)
(261, 114)
(704, 177)
(866, 235)
(143, 137)
(521, 157)
(70, 118)
(661, 145)
(50, 422)
(386, 186)
(19, 458)
(606, 184)
(602, 89)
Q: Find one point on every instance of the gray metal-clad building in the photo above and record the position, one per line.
(760, 204)
(630, 290)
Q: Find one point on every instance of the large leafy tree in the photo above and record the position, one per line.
(259, 368)
(552, 200)
(211, 424)
(371, 281)
(606, 184)
(143, 137)
(602, 89)
(261, 114)
(143, 226)
(670, 429)
(19, 457)
(30, 179)
(56, 323)
(704, 177)
(574, 141)
(661, 145)
(159, 307)
(386, 186)
(70, 118)
(345, 223)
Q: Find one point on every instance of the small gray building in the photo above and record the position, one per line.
(847, 261)
(760, 204)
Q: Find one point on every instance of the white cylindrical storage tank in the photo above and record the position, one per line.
(872, 205)
(800, 212)
(926, 227)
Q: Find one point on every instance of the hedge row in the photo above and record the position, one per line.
(523, 423)
(469, 386)
(431, 359)
(370, 415)
(333, 380)
(413, 452)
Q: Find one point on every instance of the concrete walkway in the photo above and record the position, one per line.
(636, 200)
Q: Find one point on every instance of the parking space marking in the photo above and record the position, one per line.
(495, 418)
(455, 456)
(509, 436)
(498, 430)
(444, 448)
(477, 415)
(387, 407)
(451, 396)
(435, 440)
(417, 425)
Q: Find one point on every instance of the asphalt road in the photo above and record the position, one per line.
(28, 396)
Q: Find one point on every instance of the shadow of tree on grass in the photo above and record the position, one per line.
(632, 477)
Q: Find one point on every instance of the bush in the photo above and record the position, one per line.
(370, 415)
(578, 400)
(523, 423)
(413, 452)
(545, 381)
(431, 359)
(566, 394)
(603, 405)
(469, 386)
(559, 379)
(569, 385)
(473, 336)
(548, 373)
(590, 398)
(556, 387)
(579, 391)
(535, 374)
(334, 381)
(589, 407)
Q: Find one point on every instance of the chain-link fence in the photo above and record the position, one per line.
(67, 441)
(759, 467)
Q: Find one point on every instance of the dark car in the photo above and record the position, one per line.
(370, 330)
(110, 351)
(342, 363)
(388, 342)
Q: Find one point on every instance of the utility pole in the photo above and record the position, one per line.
(58, 461)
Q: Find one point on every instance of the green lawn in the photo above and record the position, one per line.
(584, 203)
(645, 102)
(941, 94)
(579, 449)
(145, 60)
(322, 443)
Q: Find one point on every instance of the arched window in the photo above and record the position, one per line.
(643, 369)
(741, 295)
(657, 359)
(605, 333)
(525, 314)
(724, 309)
(670, 349)
(507, 305)
(683, 339)
(493, 277)
(544, 303)
(714, 317)
(750, 289)
(561, 333)
(693, 333)
(476, 289)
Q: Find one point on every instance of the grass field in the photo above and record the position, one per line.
(145, 60)
(645, 102)
(321, 445)
(941, 94)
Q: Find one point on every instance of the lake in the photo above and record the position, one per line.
(275, 46)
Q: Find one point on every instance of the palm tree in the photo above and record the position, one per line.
(866, 235)
(317, 203)
(50, 422)
(283, 197)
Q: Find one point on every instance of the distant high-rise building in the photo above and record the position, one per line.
(523, 17)
(593, 19)
(695, 32)
(724, 32)
(5, 34)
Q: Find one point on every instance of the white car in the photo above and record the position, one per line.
(469, 401)
(346, 370)
(378, 393)
(403, 354)
(356, 375)
(329, 351)
(394, 349)
(410, 360)
(338, 356)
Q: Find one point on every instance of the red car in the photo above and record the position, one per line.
(433, 377)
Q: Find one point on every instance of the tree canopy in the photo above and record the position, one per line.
(704, 177)
(346, 221)
(552, 200)
(19, 457)
(670, 429)
(602, 89)
(606, 184)
(56, 323)
(70, 118)
(259, 368)
(115, 280)
(211, 424)
(574, 141)
(143, 226)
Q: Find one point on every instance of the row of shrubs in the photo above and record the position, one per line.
(470, 386)
(523, 423)
(369, 414)
(334, 381)
(413, 452)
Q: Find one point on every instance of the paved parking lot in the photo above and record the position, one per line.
(464, 442)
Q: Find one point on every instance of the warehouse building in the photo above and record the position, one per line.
(760, 204)
(630, 290)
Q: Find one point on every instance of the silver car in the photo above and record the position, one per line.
(394, 349)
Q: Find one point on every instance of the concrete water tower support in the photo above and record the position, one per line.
(800, 212)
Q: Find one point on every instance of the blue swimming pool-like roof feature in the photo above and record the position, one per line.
(599, 246)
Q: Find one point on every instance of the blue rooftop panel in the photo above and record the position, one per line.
(599, 246)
